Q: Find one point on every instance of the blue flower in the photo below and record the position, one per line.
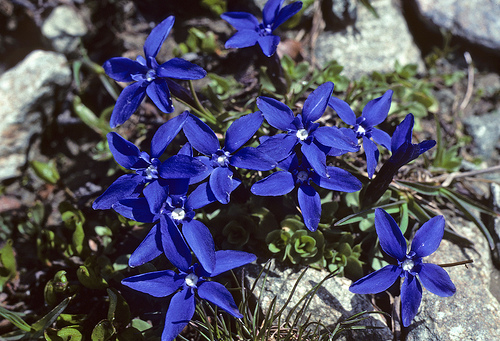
(301, 176)
(150, 77)
(251, 32)
(315, 141)
(403, 152)
(148, 169)
(221, 160)
(191, 280)
(375, 112)
(410, 265)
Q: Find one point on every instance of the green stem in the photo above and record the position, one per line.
(203, 112)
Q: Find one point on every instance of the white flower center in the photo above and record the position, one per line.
(408, 265)
(221, 160)
(302, 134)
(302, 176)
(178, 214)
(150, 75)
(360, 130)
(191, 280)
(151, 172)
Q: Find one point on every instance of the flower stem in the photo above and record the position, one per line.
(201, 109)
(464, 262)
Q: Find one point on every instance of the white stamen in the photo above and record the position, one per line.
(408, 265)
(302, 134)
(302, 176)
(191, 280)
(360, 130)
(150, 75)
(221, 160)
(178, 214)
(151, 172)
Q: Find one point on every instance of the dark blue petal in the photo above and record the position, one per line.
(286, 13)
(179, 313)
(226, 260)
(157, 36)
(268, 44)
(252, 158)
(316, 158)
(371, 152)
(121, 69)
(200, 197)
(241, 20)
(339, 180)
(174, 246)
(428, 237)
(179, 68)
(381, 137)
(402, 133)
(335, 137)
(160, 95)
(270, 11)
(186, 149)
(411, 296)
(200, 240)
(343, 110)
(221, 184)
(290, 163)
(203, 175)
(166, 133)
(127, 103)
(156, 283)
(135, 209)
(316, 102)
(377, 281)
(126, 154)
(156, 195)
(276, 184)
(241, 39)
(351, 137)
(277, 114)
(176, 187)
(278, 147)
(425, 146)
(377, 109)
(178, 91)
(150, 248)
(125, 187)
(391, 239)
(435, 279)
(181, 166)
(201, 136)
(241, 130)
(310, 205)
(218, 294)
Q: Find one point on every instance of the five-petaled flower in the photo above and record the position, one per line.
(148, 76)
(374, 112)
(251, 32)
(410, 265)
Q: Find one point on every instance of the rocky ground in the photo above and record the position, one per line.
(42, 42)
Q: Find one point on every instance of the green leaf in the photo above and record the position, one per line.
(420, 187)
(15, 319)
(89, 118)
(103, 331)
(46, 171)
(42, 324)
(8, 267)
(119, 311)
(64, 334)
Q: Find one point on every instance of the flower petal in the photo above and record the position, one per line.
(286, 13)
(241, 39)
(200, 240)
(316, 158)
(149, 249)
(166, 133)
(403, 133)
(179, 68)
(156, 283)
(377, 109)
(157, 36)
(135, 209)
(252, 158)
(200, 197)
(268, 44)
(156, 195)
(180, 312)
(411, 296)
(241, 20)
(391, 239)
(339, 180)
(276, 184)
(125, 153)
(310, 205)
(381, 137)
(336, 138)
(160, 95)
(221, 184)
(125, 187)
(181, 166)
(277, 114)
(316, 103)
(279, 146)
(121, 69)
(428, 237)
(270, 11)
(241, 130)
(226, 260)
(377, 281)
(201, 136)
(127, 103)
(218, 294)
(371, 152)
(343, 110)
(435, 279)
(174, 246)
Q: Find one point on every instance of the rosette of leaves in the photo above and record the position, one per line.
(296, 243)
(343, 256)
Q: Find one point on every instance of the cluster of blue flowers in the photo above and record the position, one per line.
(168, 193)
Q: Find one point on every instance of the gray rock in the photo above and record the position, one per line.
(473, 313)
(332, 303)
(476, 21)
(373, 45)
(63, 28)
(27, 98)
(485, 130)
(339, 13)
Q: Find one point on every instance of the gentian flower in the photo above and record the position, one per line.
(403, 152)
(410, 265)
(251, 32)
(375, 112)
(148, 169)
(301, 176)
(221, 160)
(150, 77)
(315, 141)
(191, 280)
